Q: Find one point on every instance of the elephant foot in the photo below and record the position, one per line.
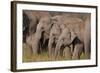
(77, 51)
(75, 57)
(67, 53)
(57, 54)
(35, 51)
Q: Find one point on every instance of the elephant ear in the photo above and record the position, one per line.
(73, 36)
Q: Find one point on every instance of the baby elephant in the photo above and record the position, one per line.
(53, 38)
(70, 43)
(78, 49)
(63, 41)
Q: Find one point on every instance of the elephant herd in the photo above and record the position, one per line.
(58, 33)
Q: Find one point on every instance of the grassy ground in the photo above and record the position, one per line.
(29, 57)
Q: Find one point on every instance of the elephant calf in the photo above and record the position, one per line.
(53, 38)
(78, 49)
(72, 32)
(80, 29)
(63, 41)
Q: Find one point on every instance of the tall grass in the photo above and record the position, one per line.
(28, 56)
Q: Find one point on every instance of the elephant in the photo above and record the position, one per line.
(54, 35)
(87, 36)
(76, 30)
(25, 27)
(86, 33)
(31, 19)
(42, 34)
(78, 49)
(66, 39)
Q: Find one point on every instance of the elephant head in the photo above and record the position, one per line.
(30, 21)
(65, 39)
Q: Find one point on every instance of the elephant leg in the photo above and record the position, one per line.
(87, 50)
(72, 48)
(50, 47)
(67, 53)
(57, 53)
(57, 50)
(87, 37)
(35, 45)
(29, 43)
(35, 48)
(40, 48)
(77, 51)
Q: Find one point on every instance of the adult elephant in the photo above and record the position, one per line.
(30, 21)
(42, 34)
(87, 35)
(76, 31)
(36, 20)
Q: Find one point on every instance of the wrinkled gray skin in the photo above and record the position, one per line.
(65, 40)
(75, 29)
(30, 43)
(87, 35)
(38, 23)
(42, 33)
(72, 47)
(34, 18)
(55, 32)
(78, 49)
(53, 38)
(31, 19)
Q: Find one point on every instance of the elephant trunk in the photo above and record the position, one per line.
(35, 45)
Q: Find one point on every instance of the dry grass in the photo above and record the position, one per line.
(29, 57)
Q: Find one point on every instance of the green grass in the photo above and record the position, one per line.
(82, 56)
(29, 57)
